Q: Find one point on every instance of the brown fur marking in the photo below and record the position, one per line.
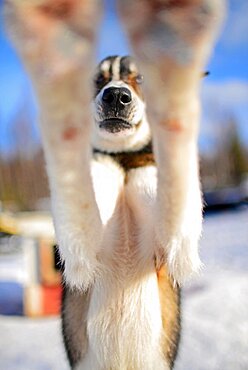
(134, 160)
(58, 9)
(131, 80)
(70, 133)
(170, 311)
(158, 5)
(173, 125)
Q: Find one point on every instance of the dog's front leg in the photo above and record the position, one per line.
(54, 40)
(172, 40)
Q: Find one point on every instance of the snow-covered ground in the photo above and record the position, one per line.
(214, 305)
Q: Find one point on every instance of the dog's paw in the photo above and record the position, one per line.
(78, 254)
(52, 37)
(80, 274)
(183, 259)
(177, 30)
(172, 40)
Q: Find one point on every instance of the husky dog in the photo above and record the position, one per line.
(125, 194)
(128, 295)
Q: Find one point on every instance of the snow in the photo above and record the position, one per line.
(214, 310)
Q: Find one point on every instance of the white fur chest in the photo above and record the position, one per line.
(124, 322)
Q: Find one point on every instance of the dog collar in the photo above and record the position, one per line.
(131, 159)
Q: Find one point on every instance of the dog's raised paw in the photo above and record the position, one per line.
(53, 38)
(183, 260)
(172, 41)
(173, 28)
(80, 274)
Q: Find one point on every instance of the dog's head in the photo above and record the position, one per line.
(119, 108)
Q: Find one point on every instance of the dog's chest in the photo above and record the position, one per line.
(125, 199)
(124, 317)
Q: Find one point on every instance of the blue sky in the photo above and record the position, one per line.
(228, 66)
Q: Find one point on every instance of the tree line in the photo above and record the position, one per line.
(23, 180)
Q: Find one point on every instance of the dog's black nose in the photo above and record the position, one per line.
(117, 97)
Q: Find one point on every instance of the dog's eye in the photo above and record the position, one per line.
(99, 80)
(139, 79)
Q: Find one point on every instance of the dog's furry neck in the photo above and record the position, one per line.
(131, 159)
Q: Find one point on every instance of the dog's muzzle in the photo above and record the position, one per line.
(115, 125)
(117, 107)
